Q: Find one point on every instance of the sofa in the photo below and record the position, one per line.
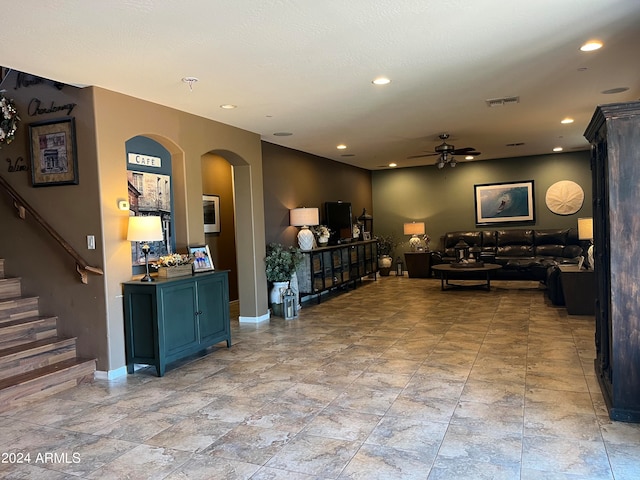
(524, 254)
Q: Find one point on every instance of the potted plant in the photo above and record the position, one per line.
(386, 244)
(281, 263)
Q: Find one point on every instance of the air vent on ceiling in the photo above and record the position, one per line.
(498, 102)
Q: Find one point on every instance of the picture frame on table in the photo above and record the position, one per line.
(503, 203)
(211, 212)
(202, 261)
(54, 159)
(366, 235)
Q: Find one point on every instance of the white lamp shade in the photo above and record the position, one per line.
(414, 228)
(145, 229)
(301, 217)
(585, 228)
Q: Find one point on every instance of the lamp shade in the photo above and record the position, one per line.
(303, 217)
(585, 228)
(414, 228)
(145, 229)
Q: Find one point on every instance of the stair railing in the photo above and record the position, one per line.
(82, 267)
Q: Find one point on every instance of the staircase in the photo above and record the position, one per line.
(34, 361)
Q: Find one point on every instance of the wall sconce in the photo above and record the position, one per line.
(144, 230)
(414, 229)
(304, 218)
(585, 232)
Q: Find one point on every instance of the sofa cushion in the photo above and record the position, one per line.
(489, 241)
(550, 250)
(550, 237)
(514, 243)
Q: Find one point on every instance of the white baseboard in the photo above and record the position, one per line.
(111, 374)
(262, 318)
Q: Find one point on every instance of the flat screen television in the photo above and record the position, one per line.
(338, 218)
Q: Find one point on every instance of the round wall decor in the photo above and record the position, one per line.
(564, 197)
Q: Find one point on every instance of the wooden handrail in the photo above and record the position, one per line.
(82, 267)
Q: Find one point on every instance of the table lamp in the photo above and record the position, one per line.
(145, 229)
(414, 229)
(304, 218)
(585, 232)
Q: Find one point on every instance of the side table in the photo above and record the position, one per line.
(418, 264)
(579, 289)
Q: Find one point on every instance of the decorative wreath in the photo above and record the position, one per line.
(10, 120)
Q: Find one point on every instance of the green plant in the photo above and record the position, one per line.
(386, 244)
(281, 262)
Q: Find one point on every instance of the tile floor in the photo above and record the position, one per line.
(392, 380)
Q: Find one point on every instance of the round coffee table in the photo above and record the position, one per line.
(446, 271)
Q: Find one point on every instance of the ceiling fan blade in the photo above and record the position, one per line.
(423, 155)
(461, 151)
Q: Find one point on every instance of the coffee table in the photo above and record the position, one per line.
(445, 270)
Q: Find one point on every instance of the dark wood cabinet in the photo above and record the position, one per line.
(325, 268)
(170, 319)
(614, 134)
(418, 264)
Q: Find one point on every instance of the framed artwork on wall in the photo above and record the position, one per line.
(211, 211)
(504, 203)
(201, 258)
(54, 159)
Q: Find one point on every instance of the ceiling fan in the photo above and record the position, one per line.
(447, 151)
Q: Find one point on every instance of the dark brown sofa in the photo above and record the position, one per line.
(524, 254)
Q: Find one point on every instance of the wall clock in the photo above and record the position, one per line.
(564, 197)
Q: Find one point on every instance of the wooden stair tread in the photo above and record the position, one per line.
(22, 321)
(6, 352)
(39, 373)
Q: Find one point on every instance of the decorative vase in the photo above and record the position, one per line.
(384, 265)
(275, 295)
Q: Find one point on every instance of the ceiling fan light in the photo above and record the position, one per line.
(453, 162)
(440, 163)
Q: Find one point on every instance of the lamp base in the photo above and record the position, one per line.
(306, 239)
(147, 277)
(415, 243)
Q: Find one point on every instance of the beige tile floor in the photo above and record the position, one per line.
(392, 380)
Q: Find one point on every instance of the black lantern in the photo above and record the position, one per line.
(366, 221)
(399, 267)
(462, 251)
(474, 253)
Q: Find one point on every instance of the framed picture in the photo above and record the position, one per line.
(211, 209)
(504, 203)
(53, 153)
(201, 258)
(366, 235)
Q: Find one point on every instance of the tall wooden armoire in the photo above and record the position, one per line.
(614, 134)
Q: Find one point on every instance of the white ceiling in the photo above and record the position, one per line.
(306, 66)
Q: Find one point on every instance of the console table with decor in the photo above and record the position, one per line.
(170, 319)
(325, 268)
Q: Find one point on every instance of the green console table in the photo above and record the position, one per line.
(170, 319)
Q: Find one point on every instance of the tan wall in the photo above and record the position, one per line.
(217, 179)
(104, 122)
(188, 138)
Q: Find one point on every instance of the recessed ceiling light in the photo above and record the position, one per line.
(557, 149)
(393, 164)
(469, 157)
(381, 81)
(591, 45)
(283, 134)
(615, 90)
(566, 120)
(342, 146)
(228, 106)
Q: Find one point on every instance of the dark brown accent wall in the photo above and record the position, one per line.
(296, 179)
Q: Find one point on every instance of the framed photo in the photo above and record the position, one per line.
(211, 210)
(366, 235)
(53, 153)
(504, 203)
(201, 258)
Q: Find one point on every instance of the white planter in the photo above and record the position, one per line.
(275, 295)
